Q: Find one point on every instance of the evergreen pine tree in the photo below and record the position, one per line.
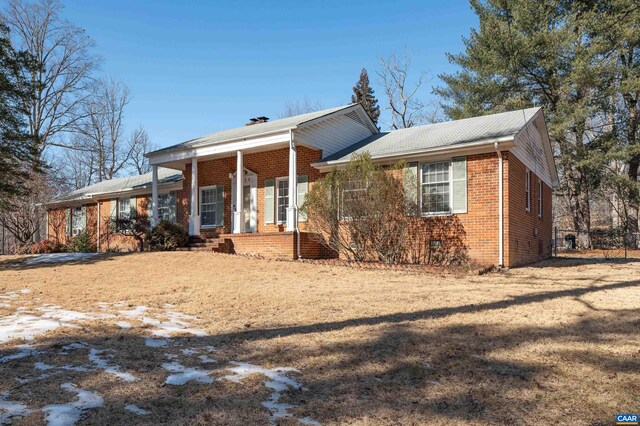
(18, 155)
(363, 94)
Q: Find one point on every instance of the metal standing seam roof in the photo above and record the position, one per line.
(437, 135)
(165, 177)
(252, 130)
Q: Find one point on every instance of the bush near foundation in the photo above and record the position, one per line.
(167, 236)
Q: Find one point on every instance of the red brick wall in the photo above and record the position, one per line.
(527, 236)
(267, 165)
(279, 245)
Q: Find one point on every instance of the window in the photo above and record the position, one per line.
(352, 195)
(436, 188)
(527, 190)
(79, 221)
(539, 198)
(209, 206)
(166, 207)
(126, 211)
(282, 199)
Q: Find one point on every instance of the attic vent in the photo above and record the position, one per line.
(355, 117)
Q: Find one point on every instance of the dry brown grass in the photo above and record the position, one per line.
(558, 342)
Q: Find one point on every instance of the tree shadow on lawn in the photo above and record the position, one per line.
(396, 369)
(581, 260)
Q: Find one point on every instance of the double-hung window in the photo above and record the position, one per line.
(436, 188)
(126, 212)
(167, 207)
(79, 220)
(209, 206)
(353, 198)
(282, 199)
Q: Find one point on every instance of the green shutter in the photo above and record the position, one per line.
(220, 205)
(303, 188)
(68, 214)
(411, 188)
(459, 182)
(269, 200)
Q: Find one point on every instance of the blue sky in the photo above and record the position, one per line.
(200, 66)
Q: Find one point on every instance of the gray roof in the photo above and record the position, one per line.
(253, 130)
(129, 183)
(438, 135)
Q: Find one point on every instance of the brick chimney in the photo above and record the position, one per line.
(257, 120)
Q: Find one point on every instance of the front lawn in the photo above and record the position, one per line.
(200, 338)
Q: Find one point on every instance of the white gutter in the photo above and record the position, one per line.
(500, 207)
(487, 143)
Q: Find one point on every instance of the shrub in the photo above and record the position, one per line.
(42, 247)
(81, 243)
(167, 236)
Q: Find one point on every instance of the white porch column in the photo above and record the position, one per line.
(292, 210)
(194, 219)
(238, 215)
(154, 196)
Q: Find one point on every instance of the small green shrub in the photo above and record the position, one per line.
(167, 236)
(81, 243)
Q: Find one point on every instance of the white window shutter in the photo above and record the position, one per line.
(269, 200)
(459, 182)
(113, 213)
(68, 214)
(410, 179)
(303, 188)
(220, 205)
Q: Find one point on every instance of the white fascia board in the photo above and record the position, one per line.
(219, 148)
(356, 107)
(448, 151)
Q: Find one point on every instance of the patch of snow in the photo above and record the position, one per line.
(124, 324)
(11, 409)
(135, 409)
(206, 360)
(156, 343)
(59, 258)
(278, 381)
(45, 366)
(69, 414)
(184, 374)
(94, 357)
(72, 347)
(24, 352)
(189, 351)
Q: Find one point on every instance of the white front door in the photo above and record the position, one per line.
(249, 200)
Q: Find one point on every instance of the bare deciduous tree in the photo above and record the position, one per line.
(61, 73)
(403, 91)
(300, 107)
(140, 145)
(100, 133)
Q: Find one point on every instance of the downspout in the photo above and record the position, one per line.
(500, 208)
(296, 230)
(98, 228)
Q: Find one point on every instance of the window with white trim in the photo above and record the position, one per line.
(167, 207)
(527, 190)
(539, 198)
(282, 199)
(78, 220)
(351, 197)
(436, 188)
(126, 211)
(208, 206)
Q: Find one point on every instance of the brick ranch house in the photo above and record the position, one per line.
(494, 173)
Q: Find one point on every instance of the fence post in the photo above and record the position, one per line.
(555, 241)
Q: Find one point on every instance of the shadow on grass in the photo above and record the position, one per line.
(399, 369)
(577, 259)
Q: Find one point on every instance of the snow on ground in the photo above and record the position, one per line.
(11, 409)
(29, 321)
(59, 258)
(135, 409)
(69, 414)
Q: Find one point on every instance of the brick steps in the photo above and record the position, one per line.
(217, 245)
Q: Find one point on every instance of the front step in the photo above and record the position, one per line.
(217, 245)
